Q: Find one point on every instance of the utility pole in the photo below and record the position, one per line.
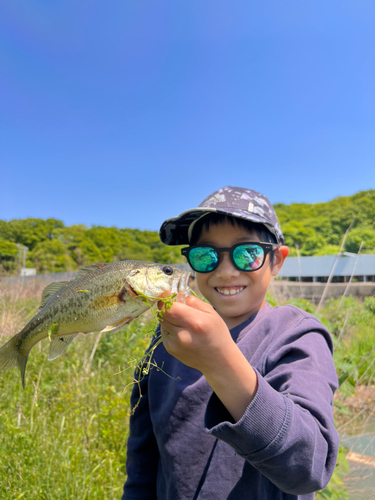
(22, 250)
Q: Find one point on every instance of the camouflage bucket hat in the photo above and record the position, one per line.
(237, 202)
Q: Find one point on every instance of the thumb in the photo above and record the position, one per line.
(199, 304)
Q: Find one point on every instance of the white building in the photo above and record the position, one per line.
(318, 269)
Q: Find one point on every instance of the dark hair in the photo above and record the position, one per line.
(214, 219)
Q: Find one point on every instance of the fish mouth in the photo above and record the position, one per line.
(132, 291)
(180, 284)
(180, 287)
(183, 284)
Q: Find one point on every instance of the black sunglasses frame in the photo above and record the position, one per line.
(267, 248)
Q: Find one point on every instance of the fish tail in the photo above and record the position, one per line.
(22, 360)
(11, 356)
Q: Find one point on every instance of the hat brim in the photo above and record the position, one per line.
(175, 231)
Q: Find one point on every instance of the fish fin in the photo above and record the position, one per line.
(118, 326)
(11, 356)
(108, 329)
(51, 290)
(88, 269)
(22, 360)
(59, 344)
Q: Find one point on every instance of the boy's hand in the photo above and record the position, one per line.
(197, 336)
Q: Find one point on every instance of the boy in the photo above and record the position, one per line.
(242, 408)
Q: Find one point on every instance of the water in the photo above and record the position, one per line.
(360, 481)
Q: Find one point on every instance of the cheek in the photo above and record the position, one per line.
(203, 285)
(261, 278)
(201, 280)
(265, 278)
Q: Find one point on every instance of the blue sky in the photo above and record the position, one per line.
(129, 112)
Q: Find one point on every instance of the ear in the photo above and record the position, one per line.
(280, 255)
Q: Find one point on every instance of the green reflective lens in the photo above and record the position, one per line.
(248, 257)
(245, 256)
(203, 259)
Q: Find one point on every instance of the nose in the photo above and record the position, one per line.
(226, 269)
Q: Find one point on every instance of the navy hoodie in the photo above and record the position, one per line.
(184, 445)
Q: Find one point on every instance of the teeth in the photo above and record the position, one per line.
(229, 291)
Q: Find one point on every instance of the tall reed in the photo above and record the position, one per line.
(64, 436)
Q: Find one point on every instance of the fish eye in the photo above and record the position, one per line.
(168, 270)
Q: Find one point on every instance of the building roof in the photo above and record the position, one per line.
(363, 265)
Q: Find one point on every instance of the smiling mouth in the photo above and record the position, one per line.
(230, 290)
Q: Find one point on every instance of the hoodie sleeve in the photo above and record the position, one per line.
(287, 431)
(142, 451)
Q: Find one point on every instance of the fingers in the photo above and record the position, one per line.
(163, 332)
(188, 315)
(191, 301)
(198, 304)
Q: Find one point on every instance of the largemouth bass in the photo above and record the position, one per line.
(102, 298)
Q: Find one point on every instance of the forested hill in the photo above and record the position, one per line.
(54, 247)
(317, 229)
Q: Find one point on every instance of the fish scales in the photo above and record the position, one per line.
(103, 297)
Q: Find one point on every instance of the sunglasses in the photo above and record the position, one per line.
(244, 256)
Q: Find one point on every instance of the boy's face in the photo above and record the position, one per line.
(250, 287)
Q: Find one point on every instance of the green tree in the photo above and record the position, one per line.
(8, 255)
(8, 249)
(107, 241)
(317, 229)
(87, 253)
(355, 238)
(72, 236)
(52, 256)
(29, 232)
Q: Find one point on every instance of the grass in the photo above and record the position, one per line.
(65, 436)
(352, 325)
